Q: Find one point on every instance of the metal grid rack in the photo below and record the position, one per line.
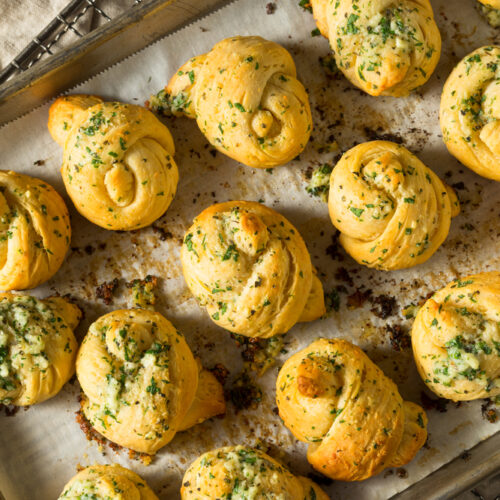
(47, 39)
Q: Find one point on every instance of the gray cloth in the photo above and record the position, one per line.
(22, 20)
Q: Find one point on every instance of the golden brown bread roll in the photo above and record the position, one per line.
(456, 339)
(495, 4)
(37, 347)
(107, 482)
(391, 210)
(246, 99)
(140, 381)
(470, 112)
(251, 269)
(35, 231)
(384, 47)
(332, 396)
(491, 10)
(240, 472)
(118, 165)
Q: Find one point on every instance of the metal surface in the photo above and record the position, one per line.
(458, 475)
(103, 47)
(129, 33)
(48, 38)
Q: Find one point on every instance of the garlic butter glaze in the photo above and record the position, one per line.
(392, 211)
(35, 231)
(470, 112)
(107, 482)
(246, 99)
(243, 473)
(332, 396)
(37, 347)
(118, 165)
(456, 339)
(384, 47)
(250, 268)
(141, 383)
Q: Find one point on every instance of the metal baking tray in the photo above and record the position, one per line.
(129, 33)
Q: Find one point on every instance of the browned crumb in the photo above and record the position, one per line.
(383, 306)
(402, 473)
(270, 8)
(488, 412)
(399, 338)
(244, 393)
(163, 233)
(358, 298)
(335, 250)
(429, 403)
(342, 274)
(9, 410)
(220, 372)
(106, 290)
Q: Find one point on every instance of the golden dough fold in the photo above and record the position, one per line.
(110, 482)
(384, 47)
(494, 4)
(118, 165)
(37, 347)
(243, 472)
(250, 268)
(332, 396)
(246, 99)
(141, 383)
(392, 211)
(456, 339)
(35, 231)
(470, 112)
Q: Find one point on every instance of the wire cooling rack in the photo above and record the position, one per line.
(46, 41)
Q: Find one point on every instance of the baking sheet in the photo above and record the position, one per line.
(41, 447)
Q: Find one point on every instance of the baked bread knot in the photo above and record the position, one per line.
(332, 396)
(384, 47)
(251, 269)
(110, 482)
(456, 339)
(494, 4)
(246, 99)
(243, 472)
(491, 11)
(391, 210)
(37, 347)
(141, 384)
(35, 231)
(470, 112)
(118, 165)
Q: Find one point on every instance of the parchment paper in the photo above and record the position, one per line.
(41, 447)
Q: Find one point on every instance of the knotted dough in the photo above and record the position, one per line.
(456, 339)
(333, 397)
(37, 347)
(251, 269)
(35, 231)
(246, 99)
(110, 482)
(141, 383)
(470, 112)
(118, 165)
(391, 210)
(384, 47)
(240, 472)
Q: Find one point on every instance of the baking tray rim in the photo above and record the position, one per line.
(70, 67)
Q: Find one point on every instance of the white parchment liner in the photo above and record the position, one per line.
(41, 447)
